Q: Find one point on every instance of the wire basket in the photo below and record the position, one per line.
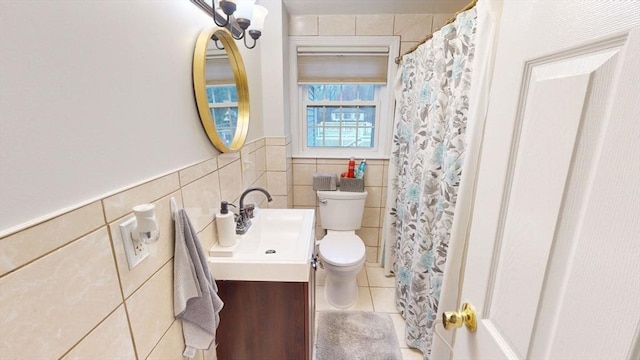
(324, 182)
(352, 184)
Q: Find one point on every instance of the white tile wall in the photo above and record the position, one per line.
(379, 24)
(303, 25)
(231, 181)
(275, 140)
(201, 198)
(120, 204)
(329, 25)
(277, 182)
(413, 27)
(279, 171)
(406, 46)
(58, 299)
(197, 171)
(116, 329)
(228, 158)
(439, 20)
(150, 310)
(276, 158)
(25, 246)
(171, 343)
(66, 281)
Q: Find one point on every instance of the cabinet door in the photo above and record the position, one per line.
(263, 320)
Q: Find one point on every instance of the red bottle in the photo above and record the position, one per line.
(352, 168)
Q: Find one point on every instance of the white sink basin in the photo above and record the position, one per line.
(278, 247)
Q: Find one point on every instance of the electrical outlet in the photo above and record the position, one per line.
(136, 250)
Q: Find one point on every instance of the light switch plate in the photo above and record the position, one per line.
(136, 250)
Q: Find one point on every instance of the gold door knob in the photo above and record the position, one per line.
(455, 319)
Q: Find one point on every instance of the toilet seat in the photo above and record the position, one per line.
(342, 249)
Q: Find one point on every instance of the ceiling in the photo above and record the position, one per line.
(331, 7)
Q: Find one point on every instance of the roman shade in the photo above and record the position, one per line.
(218, 69)
(340, 65)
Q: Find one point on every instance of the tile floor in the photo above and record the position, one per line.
(375, 293)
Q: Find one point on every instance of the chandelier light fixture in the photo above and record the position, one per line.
(243, 14)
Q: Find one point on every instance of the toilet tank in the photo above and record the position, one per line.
(341, 210)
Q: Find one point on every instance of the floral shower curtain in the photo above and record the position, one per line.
(427, 155)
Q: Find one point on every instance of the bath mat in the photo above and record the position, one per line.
(356, 335)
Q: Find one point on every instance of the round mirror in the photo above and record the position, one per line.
(221, 89)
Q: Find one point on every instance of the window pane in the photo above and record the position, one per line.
(349, 137)
(349, 92)
(332, 136)
(314, 138)
(340, 92)
(314, 92)
(221, 94)
(333, 116)
(209, 94)
(367, 115)
(343, 125)
(313, 115)
(226, 120)
(332, 92)
(366, 92)
(233, 93)
(370, 135)
(365, 137)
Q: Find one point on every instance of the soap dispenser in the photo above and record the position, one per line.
(226, 226)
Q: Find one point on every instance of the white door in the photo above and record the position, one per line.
(553, 258)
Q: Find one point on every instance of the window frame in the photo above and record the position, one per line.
(385, 106)
(305, 102)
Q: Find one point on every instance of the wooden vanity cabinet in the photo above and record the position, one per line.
(264, 320)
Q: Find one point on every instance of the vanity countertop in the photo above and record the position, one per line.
(278, 247)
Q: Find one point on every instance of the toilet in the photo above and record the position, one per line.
(341, 251)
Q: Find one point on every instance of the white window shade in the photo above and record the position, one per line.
(218, 71)
(339, 65)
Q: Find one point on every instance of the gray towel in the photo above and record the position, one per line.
(195, 298)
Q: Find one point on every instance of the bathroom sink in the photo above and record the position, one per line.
(277, 247)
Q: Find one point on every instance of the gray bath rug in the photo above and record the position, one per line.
(356, 335)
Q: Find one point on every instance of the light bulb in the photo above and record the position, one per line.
(259, 14)
(245, 9)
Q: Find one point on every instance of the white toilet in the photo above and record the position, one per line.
(342, 252)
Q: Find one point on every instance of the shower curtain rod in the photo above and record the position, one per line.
(428, 37)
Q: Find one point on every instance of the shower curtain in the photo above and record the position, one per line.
(432, 88)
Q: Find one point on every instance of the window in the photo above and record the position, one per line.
(340, 115)
(223, 104)
(343, 104)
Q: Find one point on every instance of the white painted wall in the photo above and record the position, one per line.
(253, 65)
(96, 96)
(276, 122)
(285, 73)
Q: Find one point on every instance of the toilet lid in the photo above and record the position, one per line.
(342, 249)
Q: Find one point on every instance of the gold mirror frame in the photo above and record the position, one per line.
(199, 87)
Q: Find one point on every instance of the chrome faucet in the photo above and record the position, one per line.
(244, 221)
